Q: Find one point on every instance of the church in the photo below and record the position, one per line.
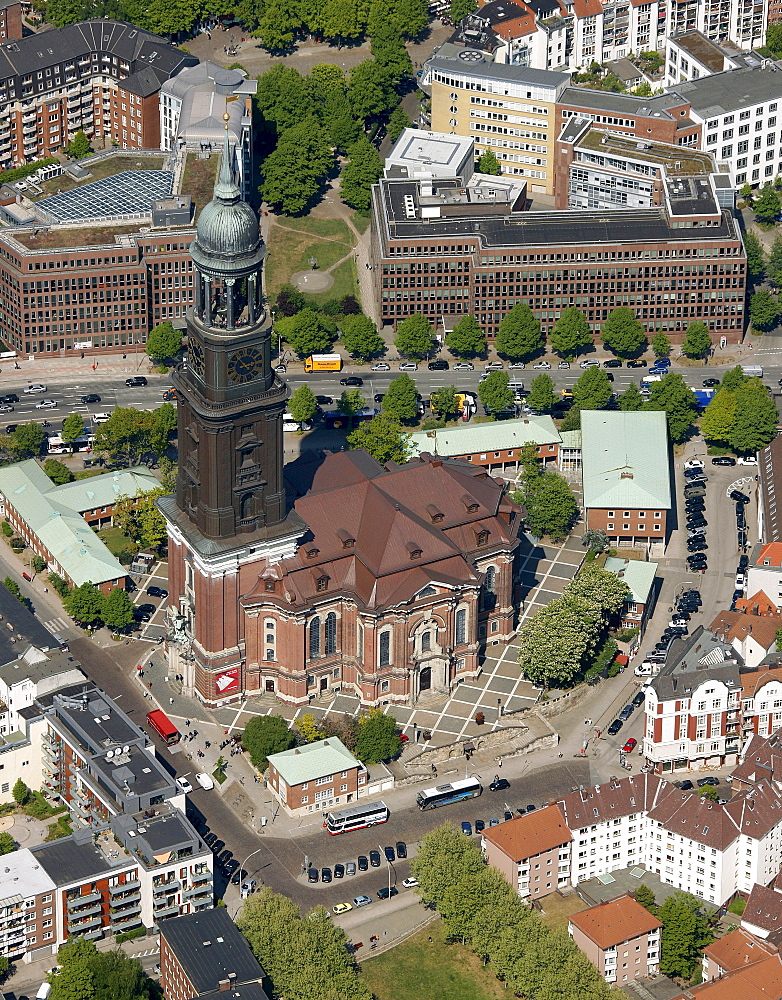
(383, 581)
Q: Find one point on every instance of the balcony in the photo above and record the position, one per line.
(117, 913)
(77, 926)
(197, 890)
(167, 911)
(132, 886)
(118, 926)
(167, 887)
(92, 935)
(85, 911)
(83, 900)
(202, 904)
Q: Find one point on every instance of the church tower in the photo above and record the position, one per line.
(230, 511)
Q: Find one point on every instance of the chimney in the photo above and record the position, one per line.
(223, 984)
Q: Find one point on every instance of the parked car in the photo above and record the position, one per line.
(313, 874)
(631, 744)
(205, 780)
(389, 853)
(326, 875)
(615, 726)
(743, 562)
(710, 780)
(542, 364)
(590, 363)
(626, 712)
(408, 366)
(363, 863)
(339, 871)
(564, 366)
(438, 365)
(466, 828)
(694, 463)
(217, 846)
(738, 496)
(480, 826)
(184, 784)
(723, 460)
(230, 867)
(210, 839)
(380, 366)
(410, 883)
(350, 868)
(464, 366)
(362, 900)
(612, 363)
(374, 859)
(401, 849)
(341, 908)
(154, 591)
(637, 363)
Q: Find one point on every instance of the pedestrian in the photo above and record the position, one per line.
(149, 685)
(434, 769)
(207, 744)
(171, 701)
(499, 762)
(187, 723)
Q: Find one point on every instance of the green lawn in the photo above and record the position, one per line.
(116, 541)
(293, 241)
(418, 970)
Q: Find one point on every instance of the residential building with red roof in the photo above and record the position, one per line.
(620, 937)
(736, 950)
(759, 981)
(531, 851)
(762, 916)
(765, 572)
(758, 604)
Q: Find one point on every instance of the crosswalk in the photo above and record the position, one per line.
(56, 624)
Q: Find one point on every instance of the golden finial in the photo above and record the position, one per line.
(226, 119)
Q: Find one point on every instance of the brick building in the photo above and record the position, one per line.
(662, 118)
(626, 476)
(443, 250)
(531, 851)
(316, 774)
(204, 955)
(101, 77)
(10, 19)
(640, 577)
(619, 937)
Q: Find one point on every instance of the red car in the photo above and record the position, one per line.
(630, 745)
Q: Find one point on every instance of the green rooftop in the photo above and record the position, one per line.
(677, 160)
(500, 435)
(312, 761)
(624, 460)
(638, 575)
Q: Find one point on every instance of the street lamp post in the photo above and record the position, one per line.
(244, 863)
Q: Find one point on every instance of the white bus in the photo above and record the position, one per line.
(56, 445)
(356, 817)
(445, 795)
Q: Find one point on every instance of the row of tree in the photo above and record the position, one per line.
(559, 642)
(479, 908)
(90, 606)
(741, 416)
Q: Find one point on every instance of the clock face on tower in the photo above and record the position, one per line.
(196, 357)
(244, 365)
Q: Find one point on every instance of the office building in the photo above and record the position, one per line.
(321, 772)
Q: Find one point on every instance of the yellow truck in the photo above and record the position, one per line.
(323, 363)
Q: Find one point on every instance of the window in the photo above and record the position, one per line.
(461, 626)
(426, 642)
(489, 583)
(385, 649)
(315, 637)
(331, 633)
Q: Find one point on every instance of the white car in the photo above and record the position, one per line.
(6, 408)
(204, 780)
(516, 365)
(281, 369)
(463, 366)
(35, 387)
(100, 418)
(694, 463)
(46, 404)
(751, 460)
(184, 784)
(410, 883)
(380, 366)
(493, 366)
(741, 581)
(408, 366)
(564, 365)
(590, 363)
(541, 364)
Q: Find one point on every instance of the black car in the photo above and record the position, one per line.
(707, 781)
(743, 563)
(363, 863)
(692, 473)
(738, 593)
(723, 460)
(738, 496)
(210, 839)
(709, 383)
(686, 785)
(697, 522)
(479, 825)
(374, 859)
(697, 564)
(389, 853)
(324, 400)
(325, 875)
(313, 874)
(636, 364)
(224, 857)
(217, 846)
(681, 617)
(639, 699)
(385, 892)
(439, 365)
(91, 397)
(693, 505)
(741, 523)
(378, 397)
(615, 726)
(157, 592)
(136, 380)
(692, 594)
(144, 612)
(612, 363)
(695, 545)
(10, 428)
(351, 380)
(498, 784)
(238, 876)
(230, 867)
(339, 871)
(401, 849)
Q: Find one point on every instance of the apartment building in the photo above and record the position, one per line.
(71, 289)
(640, 577)
(508, 109)
(752, 636)
(11, 19)
(443, 250)
(26, 907)
(765, 568)
(619, 937)
(603, 30)
(691, 55)
(204, 954)
(532, 852)
(101, 77)
(739, 118)
(737, 950)
(762, 916)
(524, 34)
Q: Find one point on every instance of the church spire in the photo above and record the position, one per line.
(226, 190)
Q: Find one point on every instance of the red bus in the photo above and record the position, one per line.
(163, 726)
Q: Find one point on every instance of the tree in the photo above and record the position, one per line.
(718, 417)
(697, 341)
(163, 341)
(302, 404)
(592, 390)
(541, 394)
(141, 520)
(677, 399)
(660, 344)
(459, 9)
(308, 332)
(495, 393)
(360, 337)
(414, 336)
(549, 503)
(774, 38)
(555, 641)
(631, 399)
(264, 735)
(26, 441)
(350, 402)
(20, 792)
(363, 169)
(774, 262)
(571, 334)
(370, 90)
(398, 121)
(383, 438)
(685, 932)
(644, 895)
(162, 425)
(734, 378)
(601, 589)
(595, 540)
(308, 728)
(519, 336)
(85, 604)
(7, 843)
(279, 24)
(79, 146)
(13, 588)
(755, 422)
(117, 609)
(72, 428)
(58, 472)
(763, 309)
(339, 19)
(282, 97)
(622, 333)
(289, 301)
(400, 401)
(125, 436)
(445, 402)
(756, 257)
(466, 339)
(710, 793)
(767, 205)
(378, 738)
(38, 564)
(388, 49)
(487, 161)
(294, 171)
